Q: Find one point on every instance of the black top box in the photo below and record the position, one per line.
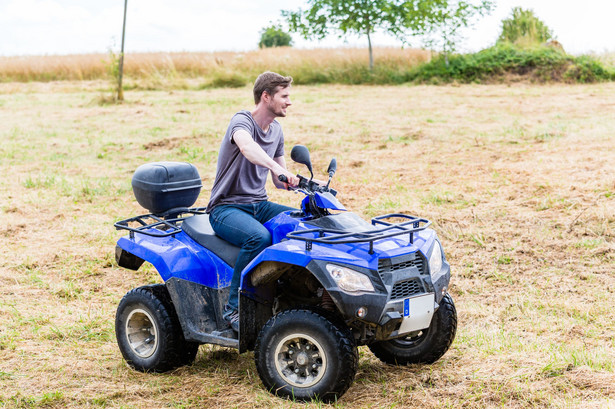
(162, 186)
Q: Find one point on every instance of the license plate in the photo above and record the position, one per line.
(418, 312)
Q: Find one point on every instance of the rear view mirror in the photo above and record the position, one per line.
(301, 154)
(332, 167)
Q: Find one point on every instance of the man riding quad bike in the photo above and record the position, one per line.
(328, 283)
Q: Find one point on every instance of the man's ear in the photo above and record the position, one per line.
(265, 96)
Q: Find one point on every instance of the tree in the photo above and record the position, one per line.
(445, 34)
(274, 36)
(524, 28)
(363, 17)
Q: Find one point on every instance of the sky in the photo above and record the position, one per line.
(50, 27)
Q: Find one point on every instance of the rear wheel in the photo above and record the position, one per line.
(300, 354)
(425, 347)
(148, 332)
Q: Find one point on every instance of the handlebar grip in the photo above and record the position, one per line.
(283, 178)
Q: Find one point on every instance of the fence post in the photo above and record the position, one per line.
(120, 91)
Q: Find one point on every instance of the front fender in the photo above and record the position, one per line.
(293, 252)
(181, 257)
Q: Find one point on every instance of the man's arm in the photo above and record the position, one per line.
(255, 154)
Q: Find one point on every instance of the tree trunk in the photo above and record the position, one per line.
(371, 55)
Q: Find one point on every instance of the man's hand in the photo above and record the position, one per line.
(281, 170)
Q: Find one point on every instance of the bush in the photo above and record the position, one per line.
(587, 69)
(523, 28)
(274, 36)
(501, 62)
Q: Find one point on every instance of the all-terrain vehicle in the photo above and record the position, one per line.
(329, 282)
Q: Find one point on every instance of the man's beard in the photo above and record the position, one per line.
(278, 113)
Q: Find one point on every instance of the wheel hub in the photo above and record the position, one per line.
(300, 360)
(141, 333)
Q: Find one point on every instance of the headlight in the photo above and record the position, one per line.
(350, 281)
(435, 261)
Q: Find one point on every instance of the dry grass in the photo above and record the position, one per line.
(519, 182)
(160, 70)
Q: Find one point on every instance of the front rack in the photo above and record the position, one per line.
(413, 225)
(158, 225)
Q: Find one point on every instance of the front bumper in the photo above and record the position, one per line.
(404, 300)
(412, 312)
(416, 314)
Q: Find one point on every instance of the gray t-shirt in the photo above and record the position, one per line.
(237, 179)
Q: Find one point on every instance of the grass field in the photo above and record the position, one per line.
(519, 182)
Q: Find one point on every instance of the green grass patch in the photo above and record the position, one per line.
(565, 358)
(506, 61)
(589, 243)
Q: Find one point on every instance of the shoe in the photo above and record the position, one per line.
(232, 317)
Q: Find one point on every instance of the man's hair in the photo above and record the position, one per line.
(270, 82)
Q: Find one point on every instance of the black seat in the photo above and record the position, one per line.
(199, 229)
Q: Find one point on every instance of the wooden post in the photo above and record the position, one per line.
(120, 91)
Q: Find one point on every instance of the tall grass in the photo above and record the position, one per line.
(186, 70)
(341, 65)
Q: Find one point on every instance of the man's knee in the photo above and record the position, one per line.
(259, 240)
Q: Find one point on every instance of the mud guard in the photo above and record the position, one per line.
(256, 299)
(179, 256)
(199, 309)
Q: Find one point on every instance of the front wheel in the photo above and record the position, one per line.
(148, 331)
(425, 347)
(301, 354)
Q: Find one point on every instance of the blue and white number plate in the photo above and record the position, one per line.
(418, 312)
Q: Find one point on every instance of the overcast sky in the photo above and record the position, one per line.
(31, 27)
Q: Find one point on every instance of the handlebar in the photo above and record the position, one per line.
(307, 186)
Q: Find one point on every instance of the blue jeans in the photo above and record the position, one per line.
(242, 225)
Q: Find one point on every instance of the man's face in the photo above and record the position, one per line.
(279, 102)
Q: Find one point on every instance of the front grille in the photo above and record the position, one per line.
(388, 265)
(406, 288)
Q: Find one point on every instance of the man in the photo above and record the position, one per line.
(253, 147)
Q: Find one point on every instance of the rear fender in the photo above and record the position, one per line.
(181, 257)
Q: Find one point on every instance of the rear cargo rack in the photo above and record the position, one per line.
(332, 236)
(157, 225)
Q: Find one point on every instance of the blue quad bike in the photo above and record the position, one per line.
(329, 282)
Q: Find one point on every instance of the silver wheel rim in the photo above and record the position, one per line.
(141, 333)
(300, 360)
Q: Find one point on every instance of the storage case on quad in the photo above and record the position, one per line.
(162, 186)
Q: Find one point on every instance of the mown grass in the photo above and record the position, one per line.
(518, 181)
